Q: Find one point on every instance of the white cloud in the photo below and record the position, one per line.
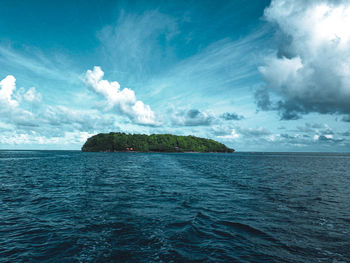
(73, 119)
(10, 99)
(10, 110)
(236, 131)
(233, 135)
(46, 124)
(122, 100)
(33, 138)
(312, 70)
(8, 86)
(329, 136)
(32, 95)
(280, 71)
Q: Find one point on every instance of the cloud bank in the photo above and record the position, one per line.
(122, 100)
(311, 72)
(25, 120)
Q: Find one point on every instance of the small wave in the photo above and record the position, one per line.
(72, 206)
(239, 227)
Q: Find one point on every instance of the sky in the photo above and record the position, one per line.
(255, 75)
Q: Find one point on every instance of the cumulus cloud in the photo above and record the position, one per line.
(311, 72)
(191, 117)
(8, 86)
(231, 116)
(32, 95)
(306, 140)
(122, 100)
(320, 133)
(9, 98)
(51, 125)
(10, 110)
(293, 140)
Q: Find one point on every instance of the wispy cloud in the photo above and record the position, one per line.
(37, 63)
(215, 70)
(138, 45)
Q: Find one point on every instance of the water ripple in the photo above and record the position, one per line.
(67, 206)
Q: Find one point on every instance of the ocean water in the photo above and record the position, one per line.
(68, 206)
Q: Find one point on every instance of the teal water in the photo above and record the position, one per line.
(67, 206)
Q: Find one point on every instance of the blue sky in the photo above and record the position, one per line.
(255, 75)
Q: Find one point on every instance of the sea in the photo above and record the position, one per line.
(72, 206)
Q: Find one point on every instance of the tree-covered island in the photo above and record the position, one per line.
(122, 142)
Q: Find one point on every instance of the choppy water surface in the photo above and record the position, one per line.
(58, 206)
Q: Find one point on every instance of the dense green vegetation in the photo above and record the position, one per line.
(111, 142)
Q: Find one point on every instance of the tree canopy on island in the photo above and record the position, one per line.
(116, 141)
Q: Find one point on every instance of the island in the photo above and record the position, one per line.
(122, 142)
